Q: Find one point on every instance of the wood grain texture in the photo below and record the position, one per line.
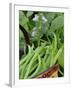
(51, 72)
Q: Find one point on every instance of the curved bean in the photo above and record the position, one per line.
(39, 60)
(30, 50)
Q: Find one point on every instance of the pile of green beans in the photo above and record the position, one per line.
(39, 59)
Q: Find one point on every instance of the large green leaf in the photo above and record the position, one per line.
(29, 13)
(57, 23)
(23, 20)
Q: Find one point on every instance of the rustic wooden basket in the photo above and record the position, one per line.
(51, 72)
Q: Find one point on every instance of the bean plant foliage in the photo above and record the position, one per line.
(41, 42)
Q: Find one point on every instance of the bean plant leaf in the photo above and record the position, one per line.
(23, 20)
(57, 23)
(29, 13)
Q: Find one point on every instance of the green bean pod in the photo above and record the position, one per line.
(37, 70)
